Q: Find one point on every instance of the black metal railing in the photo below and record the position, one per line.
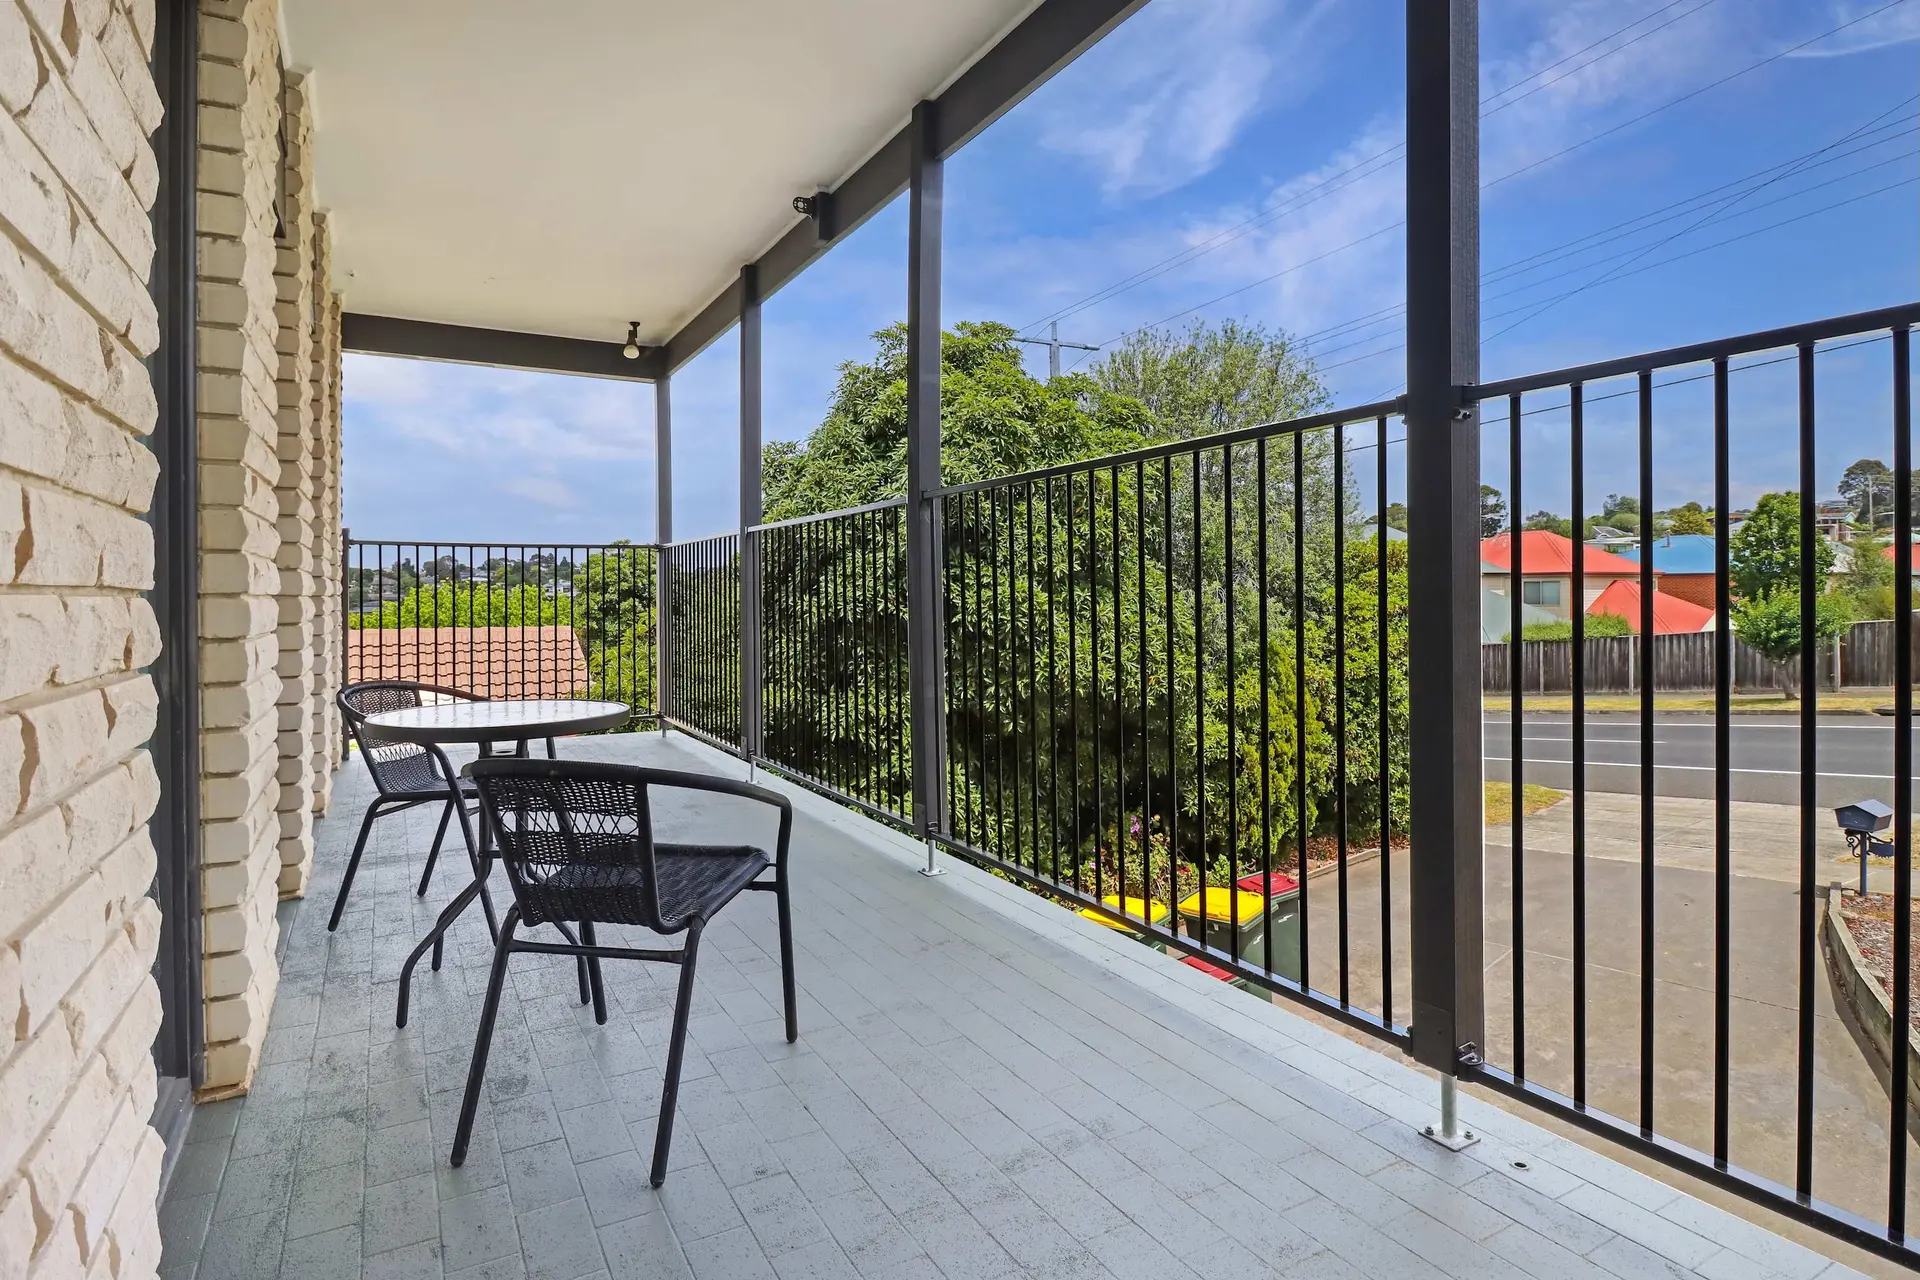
(1175, 696)
(833, 679)
(503, 619)
(703, 638)
(1658, 984)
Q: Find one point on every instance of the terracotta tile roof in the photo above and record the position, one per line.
(495, 662)
(1671, 614)
(1551, 555)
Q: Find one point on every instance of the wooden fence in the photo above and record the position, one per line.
(1680, 663)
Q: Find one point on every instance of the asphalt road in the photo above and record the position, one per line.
(1853, 755)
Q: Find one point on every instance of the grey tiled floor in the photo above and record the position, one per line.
(985, 1086)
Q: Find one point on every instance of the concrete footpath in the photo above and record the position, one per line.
(1850, 1104)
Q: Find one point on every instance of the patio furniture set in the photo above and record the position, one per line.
(577, 840)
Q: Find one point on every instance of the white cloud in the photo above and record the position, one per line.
(546, 490)
(1171, 89)
(1869, 26)
(501, 417)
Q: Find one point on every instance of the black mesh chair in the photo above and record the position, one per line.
(406, 774)
(577, 840)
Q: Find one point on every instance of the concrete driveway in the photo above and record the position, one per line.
(1850, 1104)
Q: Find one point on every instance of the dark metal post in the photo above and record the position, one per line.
(1443, 512)
(662, 535)
(750, 511)
(179, 1052)
(926, 617)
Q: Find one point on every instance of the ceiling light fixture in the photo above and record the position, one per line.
(632, 350)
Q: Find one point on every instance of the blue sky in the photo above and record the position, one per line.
(1658, 172)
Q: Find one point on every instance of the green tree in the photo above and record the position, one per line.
(1770, 623)
(1397, 516)
(1764, 552)
(1212, 378)
(1867, 485)
(1493, 511)
(1548, 522)
(1868, 581)
(1690, 518)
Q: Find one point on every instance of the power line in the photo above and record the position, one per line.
(1326, 187)
(1242, 228)
(1542, 258)
(1718, 214)
(1609, 53)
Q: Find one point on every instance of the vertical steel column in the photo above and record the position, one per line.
(750, 511)
(1443, 512)
(662, 535)
(926, 615)
(179, 1049)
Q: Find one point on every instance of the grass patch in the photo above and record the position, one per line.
(1533, 798)
(1860, 701)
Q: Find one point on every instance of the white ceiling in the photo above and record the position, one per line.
(564, 167)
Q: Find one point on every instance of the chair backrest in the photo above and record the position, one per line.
(397, 767)
(577, 839)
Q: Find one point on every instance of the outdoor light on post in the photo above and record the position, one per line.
(632, 350)
(1861, 821)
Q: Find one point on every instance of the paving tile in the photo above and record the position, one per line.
(243, 1248)
(328, 1255)
(698, 1204)
(779, 1216)
(413, 1262)
(595, 1130)
(325, 1199)
(643, 1248)
(729, 1255)
(542, 1175)
(559, 1243)
(867, 1231)
(403, 1151)
(477, 1228)
(526, 1121)
(821, 1261)
(400, 1213)
(255, 1185)
(617, 1188)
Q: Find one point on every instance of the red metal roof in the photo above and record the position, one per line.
(494, 662)
(1671, 614)
(1550, 554)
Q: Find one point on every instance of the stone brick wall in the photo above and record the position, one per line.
(327, 550)
(79, 1165)
(293, 282)
(240, 536)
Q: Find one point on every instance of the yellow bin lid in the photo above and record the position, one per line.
(1154, 909)
(1247, 907)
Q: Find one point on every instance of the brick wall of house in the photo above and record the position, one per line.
(240, 104)
(1695, 588)
(79, 1164)
(293, 283)
(327, 550)
(269, 488)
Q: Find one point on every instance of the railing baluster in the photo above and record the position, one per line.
(1722, 771)
(1383, 693)
(1809, 779)
(1517, 754)
(1233, 717)
(1264, 577)
(1902, 784)
(1578, 731)
(1303, 815)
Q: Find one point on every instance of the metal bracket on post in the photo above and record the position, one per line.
(931, 869)
(1449, 1134)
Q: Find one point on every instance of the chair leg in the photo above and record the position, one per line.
(483, 1038)
(433, 854)
(552, 752)
(786, 959)
(477, 854)
(676, 1053)
(579, 963)
(353, 865)
(593, 975)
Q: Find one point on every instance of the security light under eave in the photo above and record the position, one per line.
(632, 350)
